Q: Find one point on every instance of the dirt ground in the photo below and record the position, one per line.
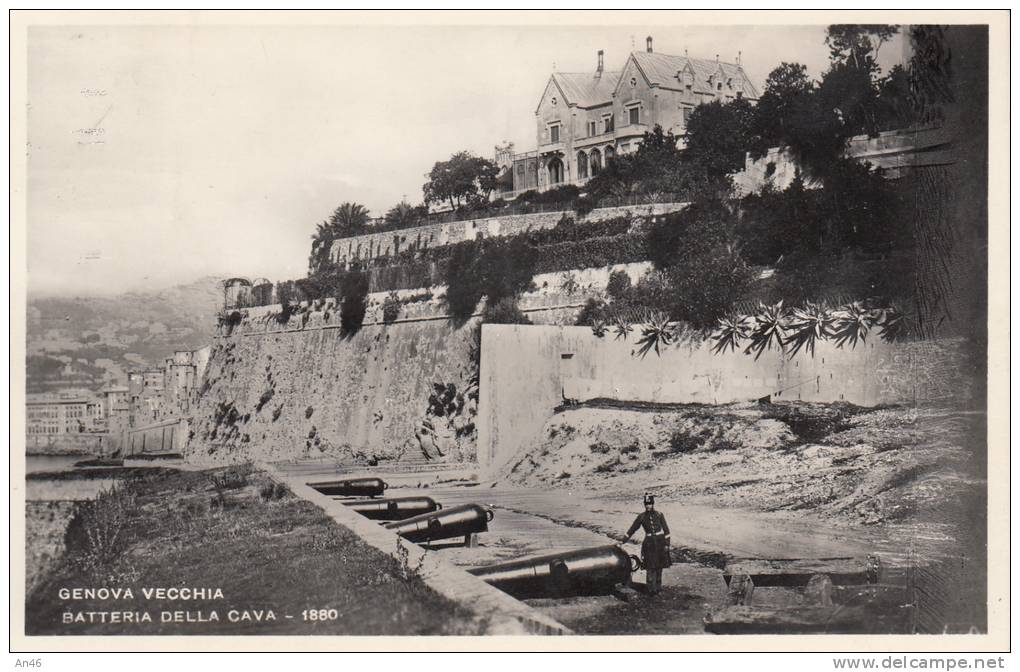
(851, 466)
(788, 480)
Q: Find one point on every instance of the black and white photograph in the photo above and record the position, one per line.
(376, 326)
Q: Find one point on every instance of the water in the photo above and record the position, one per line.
(42, 490)
(77, 489)
(38, 463)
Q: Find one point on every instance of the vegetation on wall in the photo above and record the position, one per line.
(352, 295)
(496, 268)
(795, 330)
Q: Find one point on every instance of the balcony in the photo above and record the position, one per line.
(592, 140)
(552, 147)
(631, 130)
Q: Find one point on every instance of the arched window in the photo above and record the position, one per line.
(555, 171)
(595, 162)
(582, 165)
(609, 153)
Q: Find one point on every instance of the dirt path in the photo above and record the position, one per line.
(532, 521)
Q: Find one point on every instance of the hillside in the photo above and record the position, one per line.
(86, 341)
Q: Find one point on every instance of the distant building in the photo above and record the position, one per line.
(584, 120)
(56, 414)
(182, 374)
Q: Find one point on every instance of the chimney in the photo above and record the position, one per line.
(738, 57)
(598, 70)
(648, 44)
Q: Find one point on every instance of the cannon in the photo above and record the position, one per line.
(352, 487)
(397, 508)
(588, 571)
(459, 521)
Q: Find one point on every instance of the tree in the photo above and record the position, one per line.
(857, 45)
(463, 179)
(403, 215)
(322, 241)
(677, 237)
(657, 166)
(786, 90)
(349, 219)
(718, 135)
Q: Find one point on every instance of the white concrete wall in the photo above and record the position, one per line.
(527, 371)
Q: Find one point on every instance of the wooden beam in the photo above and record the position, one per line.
(798, 572)
(807, 619)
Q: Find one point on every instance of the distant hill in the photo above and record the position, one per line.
(89, 341)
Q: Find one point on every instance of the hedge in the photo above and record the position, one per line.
(591, 253)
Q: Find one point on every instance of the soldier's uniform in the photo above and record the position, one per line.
(655, 547)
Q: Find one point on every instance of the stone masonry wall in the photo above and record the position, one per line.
(374, 245)
(302, 389)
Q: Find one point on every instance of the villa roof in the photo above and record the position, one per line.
(587, 89)
(662, 69)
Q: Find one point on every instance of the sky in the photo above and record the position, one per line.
(161, 154)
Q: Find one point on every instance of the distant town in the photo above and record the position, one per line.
(152, 395)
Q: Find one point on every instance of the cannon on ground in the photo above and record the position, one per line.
(396, 508)
(588, 571)
(459, 521)
(352, 487)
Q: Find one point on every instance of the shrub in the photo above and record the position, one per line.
(391, 308)
(232, 478)
(569, 283)
(226, 414)
(504, 311)
(97, 537)
(354, 304)
(264, 399)
(595, 310)
(230, 321)
(270, 491)
(703, 226)
(618, 285)
(684, 441)
(584, 205)
(495, 268)
(463, 279)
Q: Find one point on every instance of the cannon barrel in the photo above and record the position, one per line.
(352, 487)
(396, 508)
(588, 571)
(458, 521)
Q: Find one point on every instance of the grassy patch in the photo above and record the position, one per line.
(237, 531)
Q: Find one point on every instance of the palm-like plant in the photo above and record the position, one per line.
(852, 323)
(349, 219)
(807, 326)
(322, 241)
(729, 332)
(403, 215)
(769, 330)
(893, 325)
(598, 327)
(622, 328)
(657, 332)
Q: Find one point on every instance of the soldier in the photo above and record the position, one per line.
(655, 547)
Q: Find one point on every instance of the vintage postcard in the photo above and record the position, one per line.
(516, 330)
